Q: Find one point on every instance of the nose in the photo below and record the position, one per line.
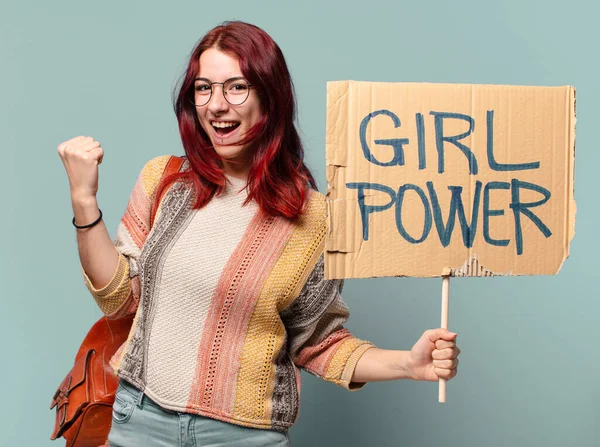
(217, 103)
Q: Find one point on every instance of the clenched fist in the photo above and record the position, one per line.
(81, 157)
(435, 355)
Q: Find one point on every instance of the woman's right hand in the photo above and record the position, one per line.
(81, 157)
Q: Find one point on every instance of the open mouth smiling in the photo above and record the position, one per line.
(224, 128)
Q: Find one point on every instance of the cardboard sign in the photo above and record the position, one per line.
(439, 179)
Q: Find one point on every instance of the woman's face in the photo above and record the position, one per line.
(225, 123)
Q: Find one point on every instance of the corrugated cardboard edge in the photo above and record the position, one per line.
(472, 267)
(570, 204)
(337, 96)
(336, 159)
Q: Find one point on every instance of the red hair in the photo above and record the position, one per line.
(278, 179)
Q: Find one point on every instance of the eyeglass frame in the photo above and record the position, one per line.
(211, 83)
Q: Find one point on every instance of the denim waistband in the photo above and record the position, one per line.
(140, 397)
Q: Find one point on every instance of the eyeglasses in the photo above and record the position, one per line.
(235, 90)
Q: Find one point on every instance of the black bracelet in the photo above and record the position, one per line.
(89, 225)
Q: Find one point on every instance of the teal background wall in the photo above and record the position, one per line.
(530, 362)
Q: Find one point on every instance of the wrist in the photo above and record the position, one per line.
(410, 366)
(86, 212)
(81, 201)
(404, 365)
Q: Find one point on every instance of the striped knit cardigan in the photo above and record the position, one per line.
(295, 318)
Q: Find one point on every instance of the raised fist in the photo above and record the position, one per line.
(81, 157)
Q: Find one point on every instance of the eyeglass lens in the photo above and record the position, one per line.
(236, 91)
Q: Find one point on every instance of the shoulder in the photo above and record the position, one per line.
(311, 225)
(315, 206)
(157, 165)
(155, 169)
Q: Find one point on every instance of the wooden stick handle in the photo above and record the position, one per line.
(445, 299)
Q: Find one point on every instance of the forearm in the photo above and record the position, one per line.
(377, 365)
(98, 256)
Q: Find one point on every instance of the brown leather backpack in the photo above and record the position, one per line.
(85, 397)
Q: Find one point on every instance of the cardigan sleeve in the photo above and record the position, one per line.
(317, 339)
(121, 295)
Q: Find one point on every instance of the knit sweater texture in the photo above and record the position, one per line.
(229, 303)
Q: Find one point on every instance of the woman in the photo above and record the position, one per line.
(222, 263)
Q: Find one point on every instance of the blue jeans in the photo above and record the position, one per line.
(139, 421)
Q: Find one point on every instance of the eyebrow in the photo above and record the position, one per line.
(208, 80)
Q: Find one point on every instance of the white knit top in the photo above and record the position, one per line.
(188, 279)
